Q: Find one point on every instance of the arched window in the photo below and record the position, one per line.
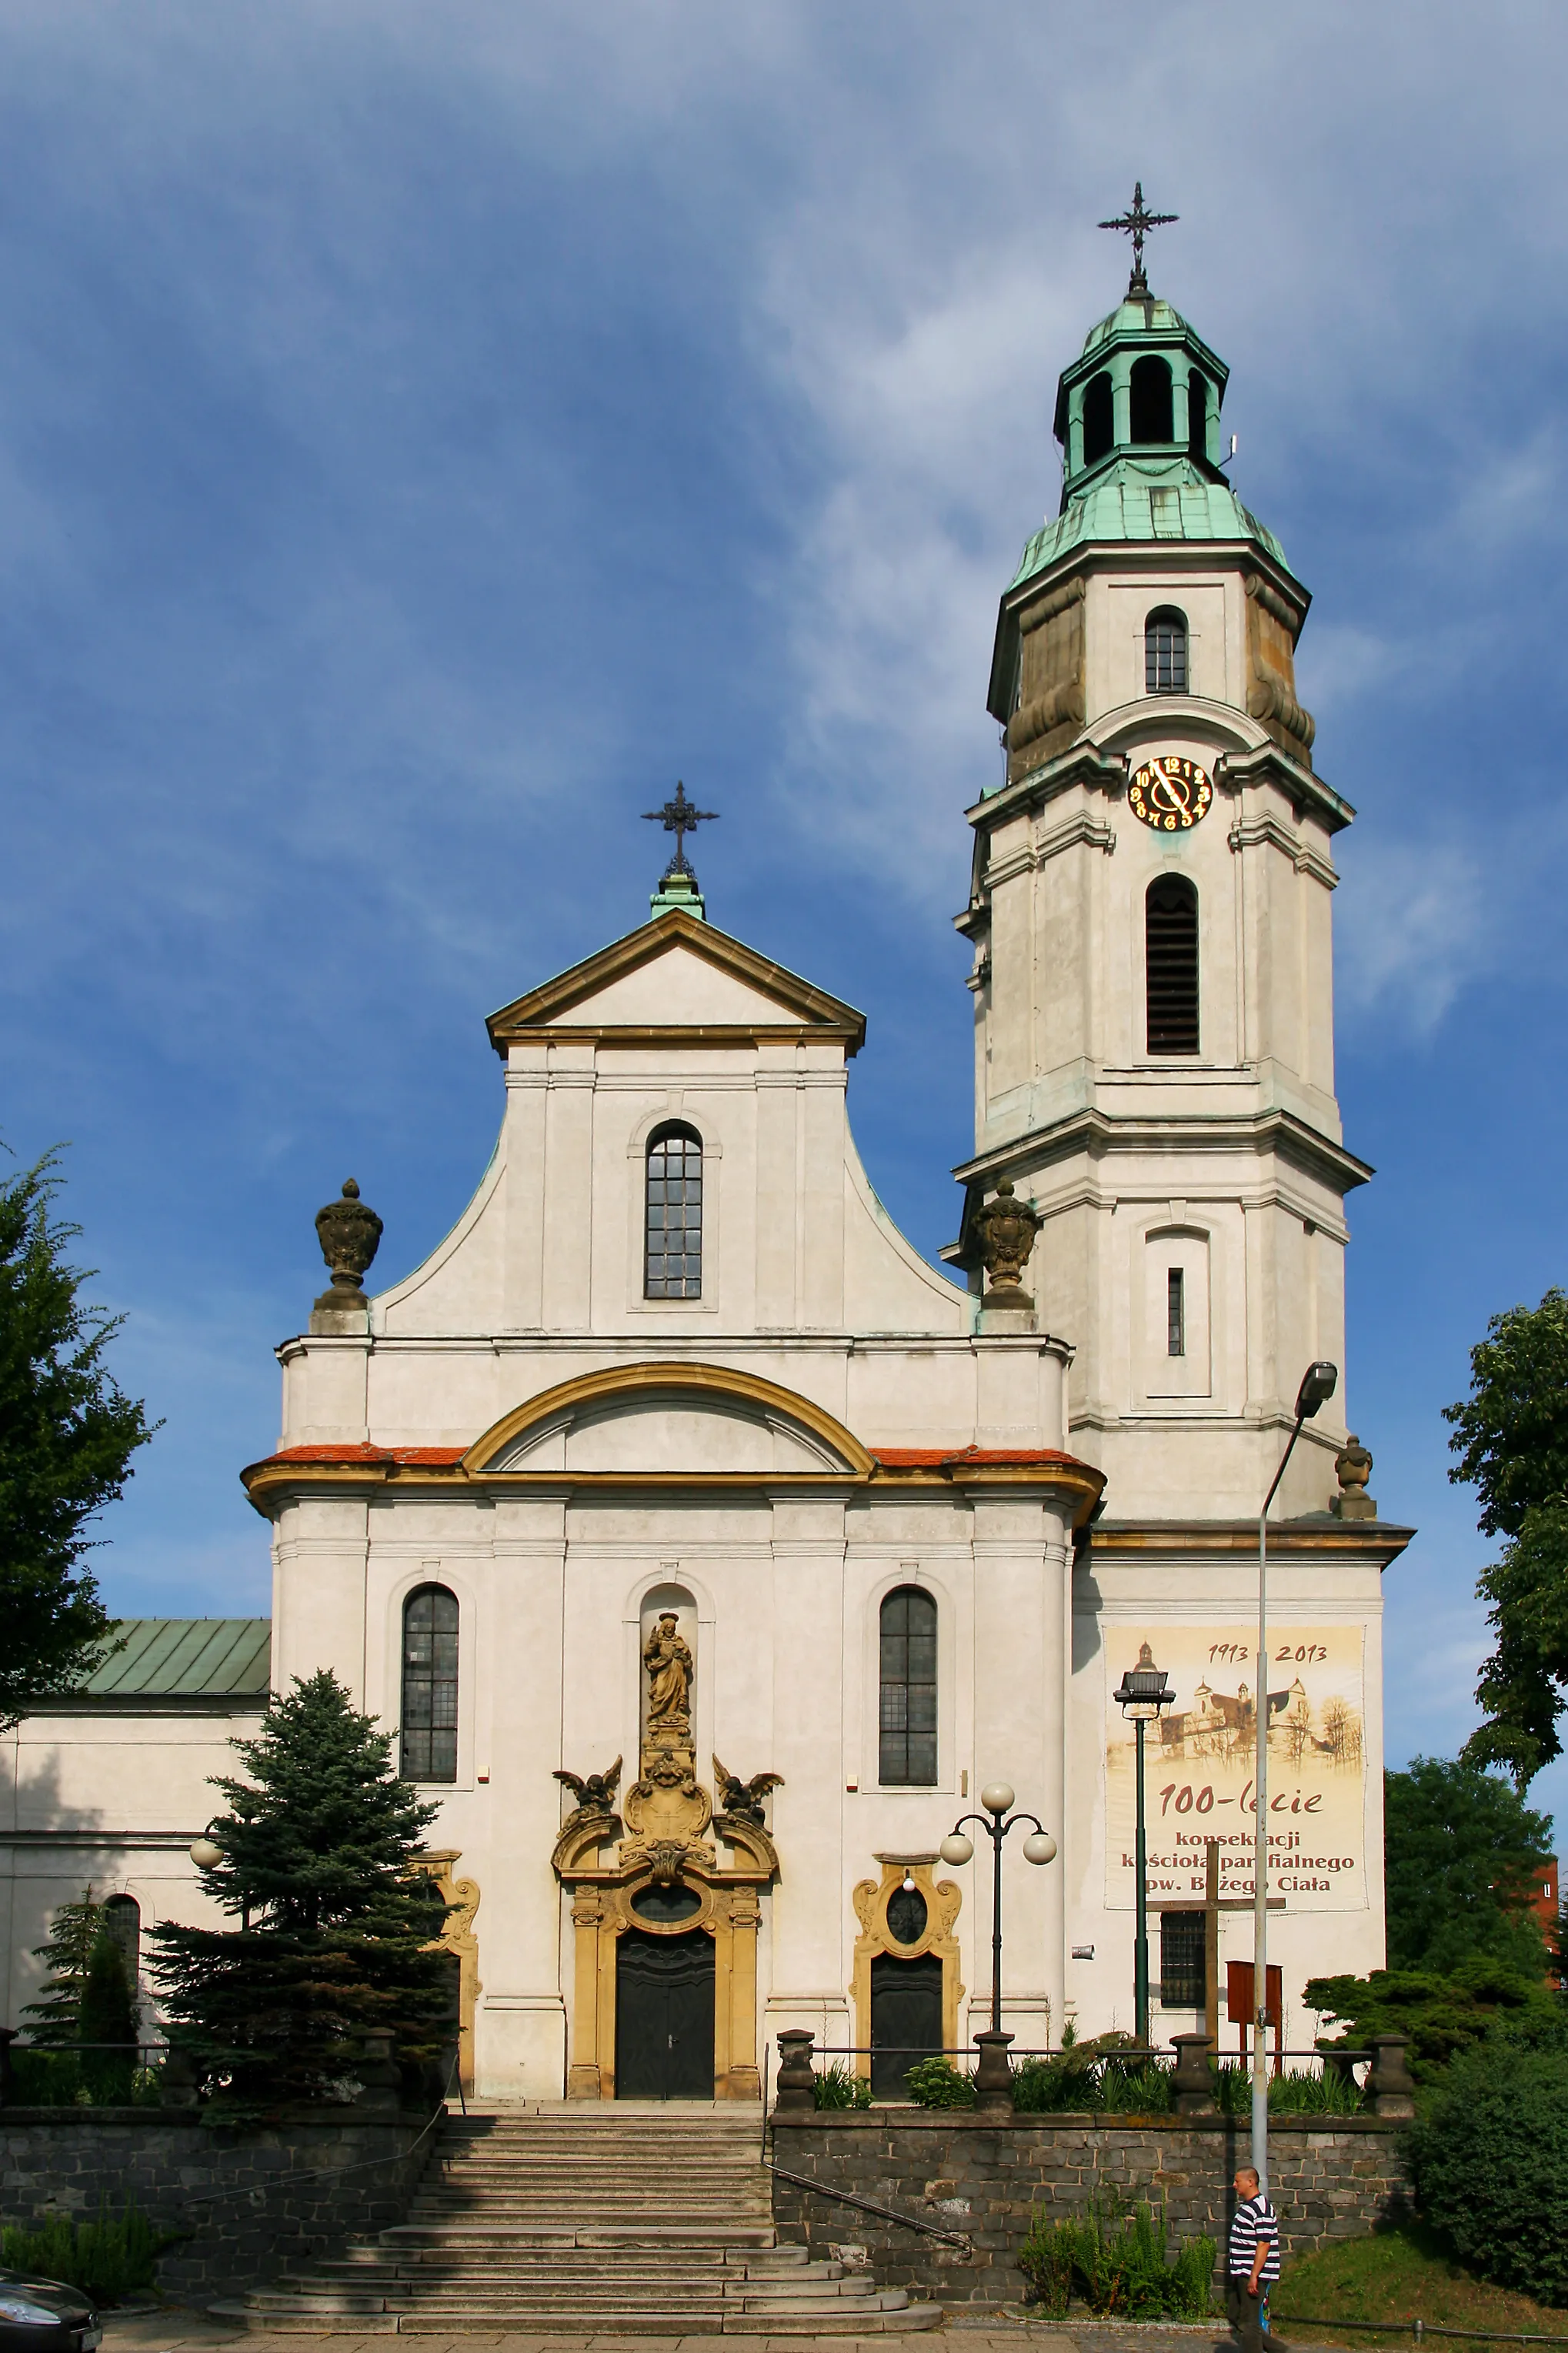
(122, 1919)
(672, 1256)
(1198, 415)
(1170, 953)
(430, 1685)
(1151, 406)
(906, 1754)
(1165, 653)
(1099, 420)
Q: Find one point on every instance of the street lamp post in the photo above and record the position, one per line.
(1142, 1692)
(1038, 1847)
(1317, 1385)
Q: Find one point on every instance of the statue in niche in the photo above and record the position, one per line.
(668, 1662)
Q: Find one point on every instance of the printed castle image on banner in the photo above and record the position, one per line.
(1200, 1759)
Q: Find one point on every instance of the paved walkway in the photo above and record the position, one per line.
(178, 2331)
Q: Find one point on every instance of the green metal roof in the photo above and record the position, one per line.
(1132, 317)
(185, 1658)
(1145, 498)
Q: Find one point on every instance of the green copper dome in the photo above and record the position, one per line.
(1138, 418)
(1145, 498)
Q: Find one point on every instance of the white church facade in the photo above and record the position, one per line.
(675, 1450)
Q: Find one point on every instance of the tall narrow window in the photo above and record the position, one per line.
(1165, 653)
(1181, 1960)
(907, 1757)
(1175, 1312)
(1152, 406)
(1098, 419)
(1198, 415)
(430, 1685)
(122, 1919)
(672, 1261)
(1171, 958)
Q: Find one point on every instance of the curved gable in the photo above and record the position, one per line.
(672, 1417)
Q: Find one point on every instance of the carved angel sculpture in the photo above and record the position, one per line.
(596, 1795)
(744, 1799)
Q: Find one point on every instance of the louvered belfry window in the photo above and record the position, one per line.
(1170, 953)
(906, 1754)
(429, 1741)
(672, 1263)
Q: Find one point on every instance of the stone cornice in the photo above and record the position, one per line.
(347, 1471)
(1377, 1542)
(1100, 1135)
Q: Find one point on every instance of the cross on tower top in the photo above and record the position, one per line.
(679, 817)
(1136, 222)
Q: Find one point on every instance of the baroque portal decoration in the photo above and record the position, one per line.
(668, 1833)
(462, 1900)
(905, 1920)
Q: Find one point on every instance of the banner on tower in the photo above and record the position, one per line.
(1200, 1763)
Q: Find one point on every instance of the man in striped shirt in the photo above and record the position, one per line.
(1253, 2265)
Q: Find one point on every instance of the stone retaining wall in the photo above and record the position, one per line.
(1332, 2176)
(285, 2195)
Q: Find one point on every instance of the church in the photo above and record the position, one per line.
(709, 1552)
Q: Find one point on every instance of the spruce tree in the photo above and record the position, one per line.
(74, 1932)
(318, 1867)
(67, 1436)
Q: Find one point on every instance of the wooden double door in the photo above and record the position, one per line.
(664, 2016)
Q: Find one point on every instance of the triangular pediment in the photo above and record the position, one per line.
(676, 974)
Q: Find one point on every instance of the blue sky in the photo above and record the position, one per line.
(425, 431)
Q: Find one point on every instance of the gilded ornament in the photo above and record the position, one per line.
(742, 1800)
(668, 1661)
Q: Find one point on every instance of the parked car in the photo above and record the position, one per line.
(45, 2316)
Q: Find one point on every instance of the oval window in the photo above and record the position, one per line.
(666, 1904)
(907, 1916)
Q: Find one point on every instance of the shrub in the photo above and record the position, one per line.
(938, 2084)
(1298, 2093)
(1114, 2257)
(1050, 2086)
(1443, 2016)
(107, 2261)
(838, 2086)
(1140, 2090)
(1490, 2163)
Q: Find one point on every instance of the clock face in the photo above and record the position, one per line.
(1169, 793)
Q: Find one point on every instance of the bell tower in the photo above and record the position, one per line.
(1152, 976)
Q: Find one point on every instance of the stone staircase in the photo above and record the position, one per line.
(580, 2220)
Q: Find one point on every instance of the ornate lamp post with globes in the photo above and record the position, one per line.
(992, 2076)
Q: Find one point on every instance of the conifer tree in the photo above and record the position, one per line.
(335, 1923)
(67, 1957)
(67, 1436)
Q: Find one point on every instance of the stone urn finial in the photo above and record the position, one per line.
(350, 1234)
(1006, 1229)
(1353, 1464)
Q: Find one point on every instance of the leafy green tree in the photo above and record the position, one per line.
(74, 1932)
(318, 1866)
(1490, 2160)
(1460, 1849)
(67, 1436)
(1511, 1438)
(1443, 2016)
(109, 2006)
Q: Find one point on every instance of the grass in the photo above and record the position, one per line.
(1403, 2271)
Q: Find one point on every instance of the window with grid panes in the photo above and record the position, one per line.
(907, 1756)
(429, 1728)
(1166, 653)
(672, 1261)
(1181, 1970)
